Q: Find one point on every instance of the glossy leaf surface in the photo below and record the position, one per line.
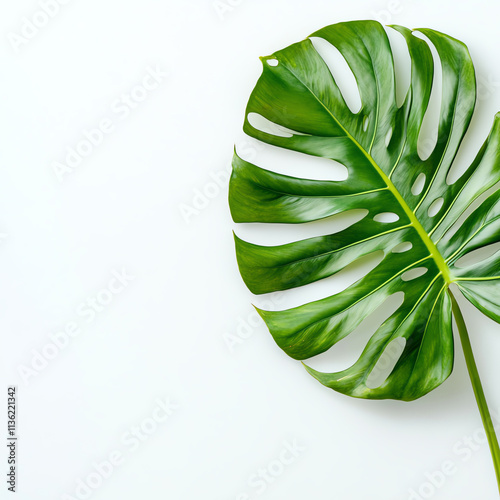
(379, 147)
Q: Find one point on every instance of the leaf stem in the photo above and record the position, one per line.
(477, 386)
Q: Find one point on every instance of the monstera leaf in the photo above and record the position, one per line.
(378, 146)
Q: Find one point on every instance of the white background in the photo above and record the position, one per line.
(165, 334)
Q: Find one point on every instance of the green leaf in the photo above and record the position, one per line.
(435, 233)
(298, 93)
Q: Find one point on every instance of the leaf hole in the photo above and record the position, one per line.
(419, 184)
(478, 255)
(272, 62)
(403, 247)
(386, 363)
(366, 121)
(414, 273)
(428, 135)
(467, 151)
(402, 64)
(435, 207)
(386, 217)
(347, 351)
(280, 234)
(460, 163)
(261, 123)
(292, 163)
(341, 72)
